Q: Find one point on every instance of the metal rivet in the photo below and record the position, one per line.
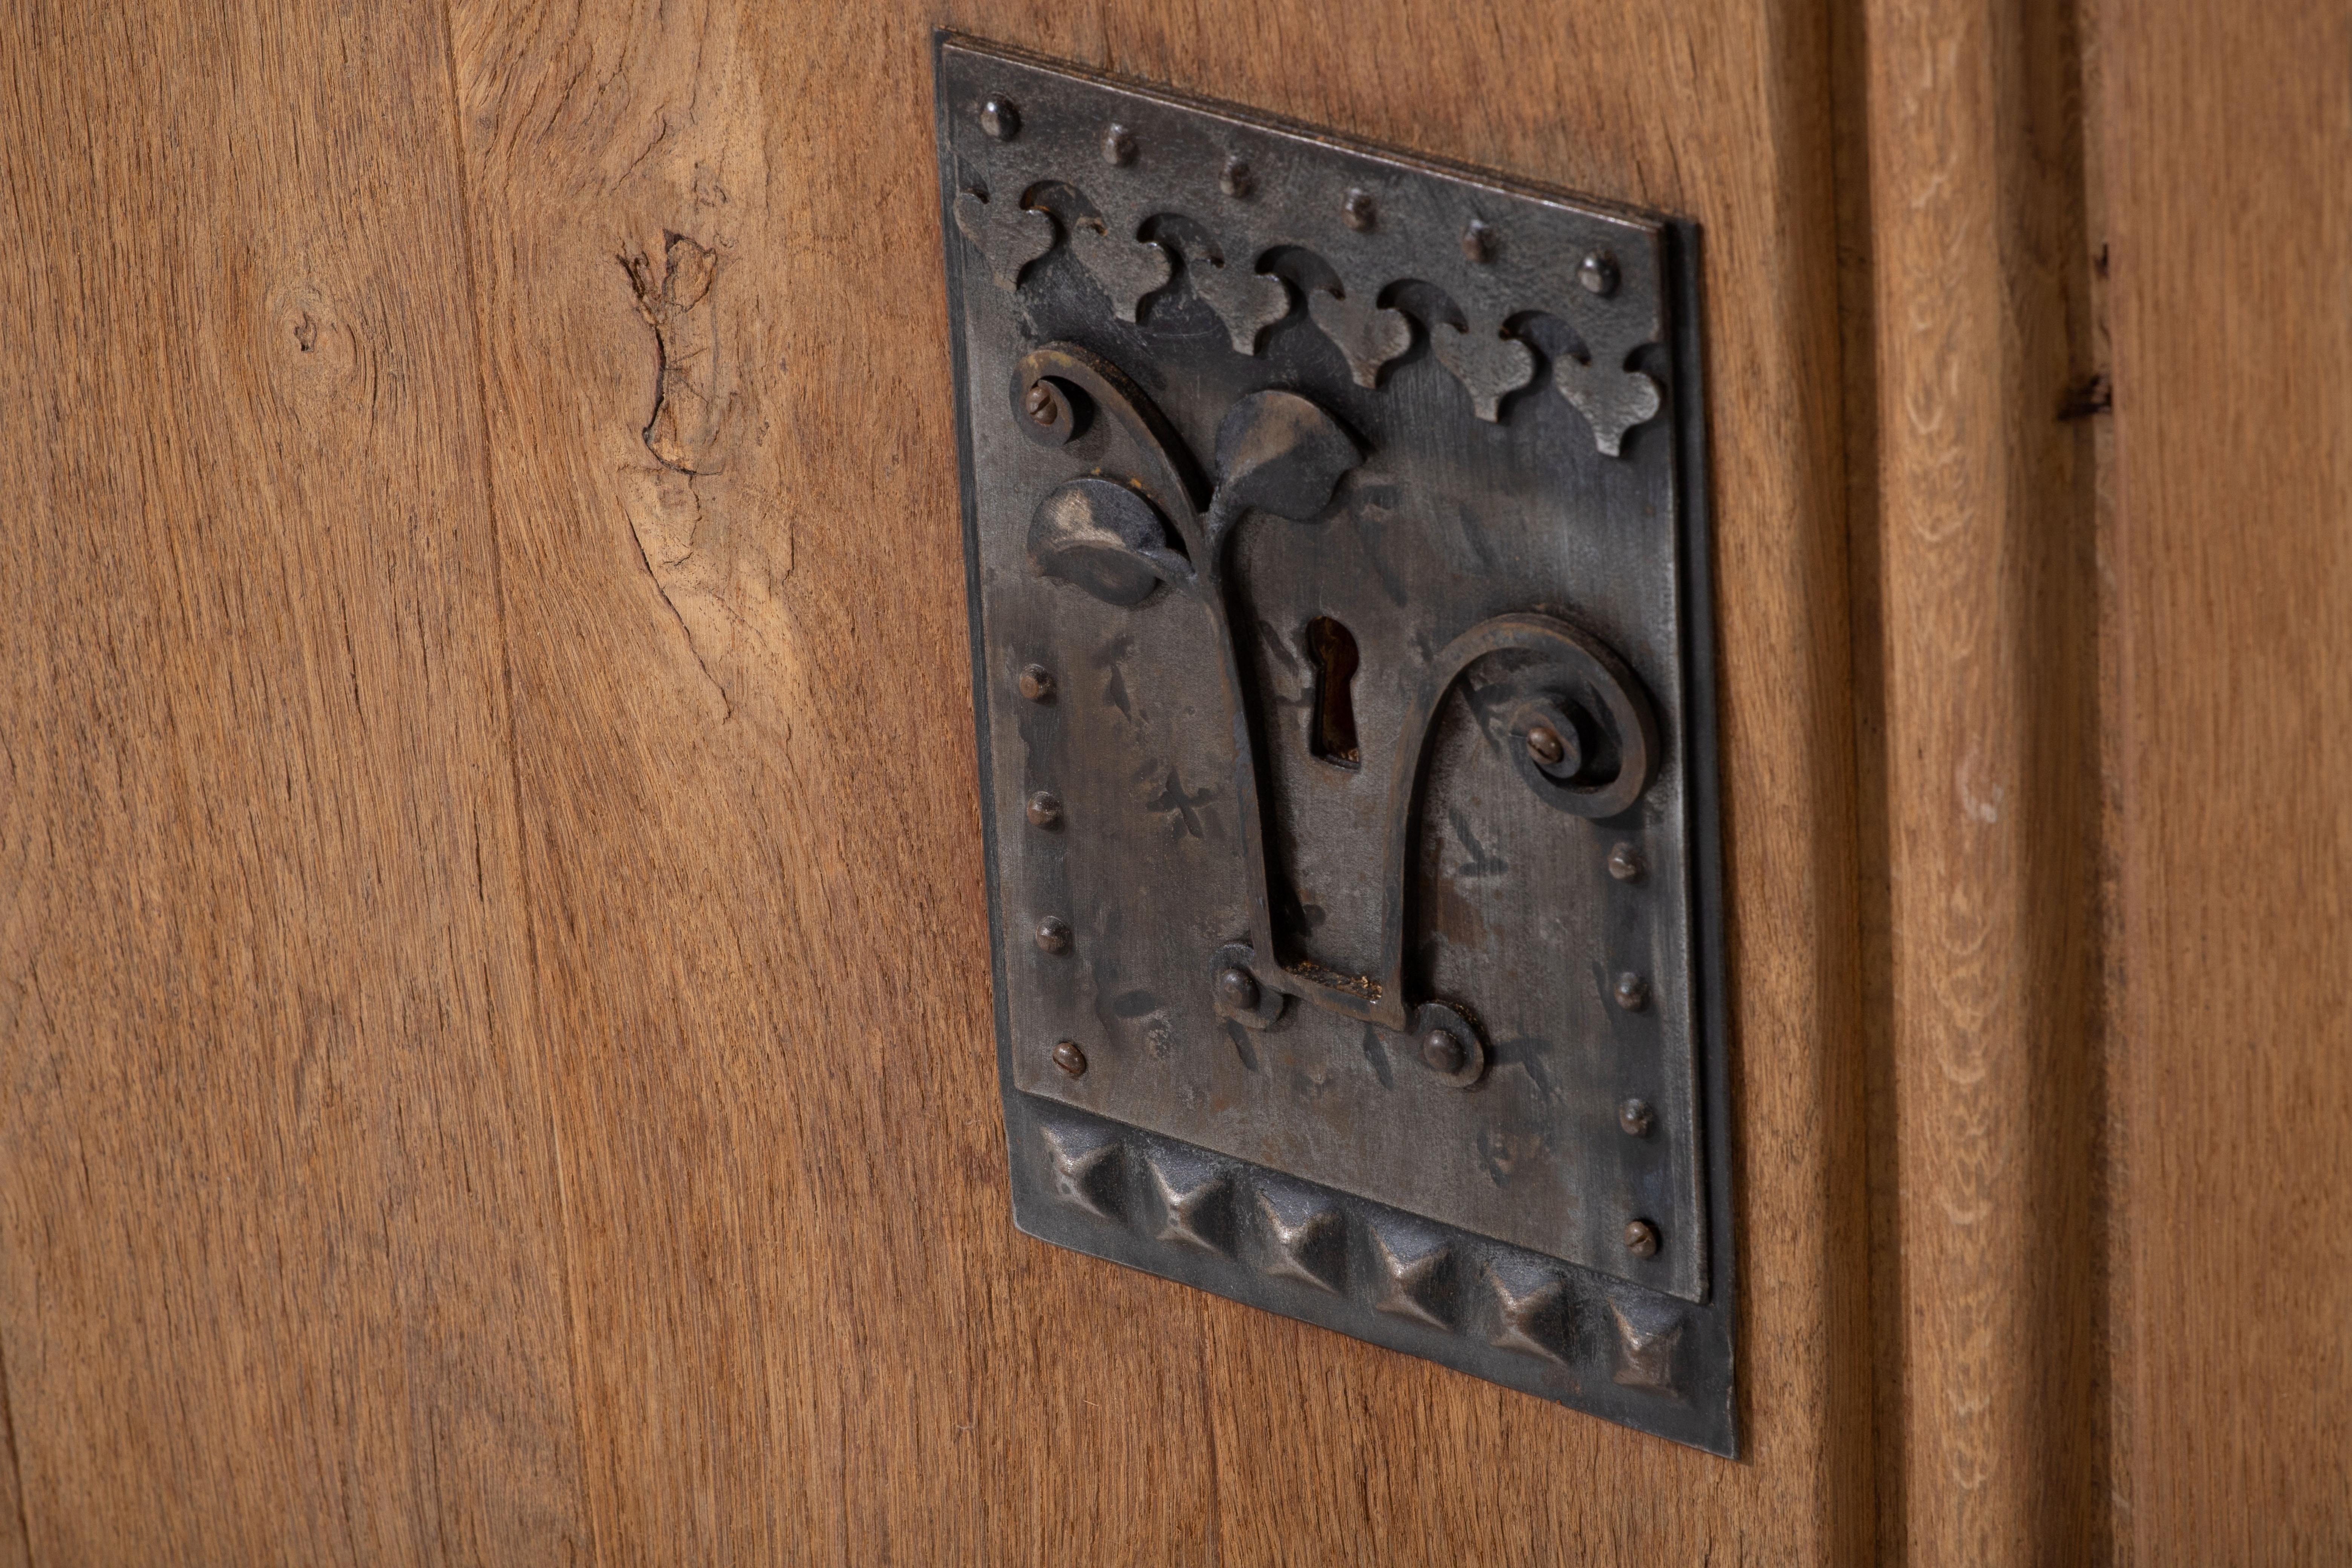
(1544, 746)
(1073, 1061)
(1635, 1116)
(1641, 1238)
(1357, 210)
(1624, 862)
(1238, 986)
(1000, 119)
(1054, 934)
(1632, 991)
(1442, 1051)
(1046, 809)
(1043, 407)
(1118, 145)
(1036, 683)
(1236, 180)
(1598, 273)
(1478, 242)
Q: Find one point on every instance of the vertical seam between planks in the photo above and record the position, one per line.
(1848, 83)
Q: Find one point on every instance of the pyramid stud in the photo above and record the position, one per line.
(1528, 1314)
(1193, 1200)
(1085, 1175)
(1647, 1337)
(1305, 1232)
(1414, 1272)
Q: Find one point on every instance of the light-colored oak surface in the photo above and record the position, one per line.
(2226, 135)
(1977, 588)
(278, 1188)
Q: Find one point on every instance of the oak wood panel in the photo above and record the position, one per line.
(723, 464)
(2227, 132)
(1977, 597)
(713, 326)
(277, 1198)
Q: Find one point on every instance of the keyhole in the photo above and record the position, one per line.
(1332, 646)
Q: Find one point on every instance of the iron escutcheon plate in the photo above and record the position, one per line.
(1341, 666)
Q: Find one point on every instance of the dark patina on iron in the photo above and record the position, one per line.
(1341, 630)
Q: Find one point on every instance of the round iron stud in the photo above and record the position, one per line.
(1625, 863)
(1641, 1238)
(1633, 991)
(1357, 211)
(1598, 273)
(1054, 934)
(1000, 120)
(1441, 1052)
(1073, 1062)
(1636, 1118)
(1046, 810)
(1036, 683)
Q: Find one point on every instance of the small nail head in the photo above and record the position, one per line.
(1239, 987)
(1000, 120)
(1442, 1050)
(1598, 273)
(1237, 180)
(1624, 862)
(1357, 210)
(1633, 991)
(1478, 242)
(1041, 403)
(1054, 934)
(1636, 1118)
(1073, 1062)
(1641, 1238)
(1044, 809)
(1544, 746)
(1118, 145)
(1036, 683)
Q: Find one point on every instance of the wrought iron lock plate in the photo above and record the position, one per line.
(1341, 654)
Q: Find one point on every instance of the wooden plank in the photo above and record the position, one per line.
(282, 1281)
(2226, 134)
(1977, 593)
(723, 462)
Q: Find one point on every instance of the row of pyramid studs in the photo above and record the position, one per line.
(1306, 1236)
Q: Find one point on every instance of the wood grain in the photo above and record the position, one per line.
(717, 387)
(1977, 588)
(803, 1324)
(2226, 133)
(278, 1197)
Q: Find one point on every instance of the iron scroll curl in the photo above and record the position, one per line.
(1122, 536)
